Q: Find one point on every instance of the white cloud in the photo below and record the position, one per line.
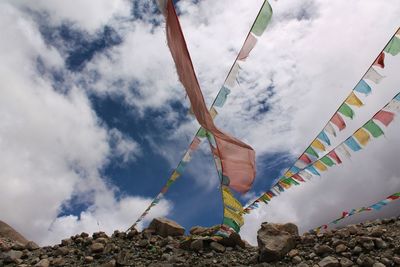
(52, 145)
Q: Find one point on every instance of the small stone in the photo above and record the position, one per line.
(111, 263)
(377, 232)
(344, 262)
(43, 263)
(66, 242)
(396, 260)
(340, 248)
(365, 261)
(89, 259)
(302, 264)
(31, 246)
(197, 245)
(12, 256)
(379, 243)
(83, 234)
(296, 259)
(143, 243)
(97, 248)
(386, 261)
(323, 249)
(62, 251)
(217, 247)
(378, 264)
(58, 262)
(329, 262)
(357, 250)
(369, 245)
(132, 233)
(293, 253)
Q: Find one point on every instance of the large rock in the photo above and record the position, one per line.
(165, 227)
(8, 232)
(275, 240)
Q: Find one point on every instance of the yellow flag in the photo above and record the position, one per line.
(362, 136)
(213, 112)
(354, 100)
(317, 144)
(230, 200)
(237, 217)
(289, 174)
(320, 166)
(174, 176)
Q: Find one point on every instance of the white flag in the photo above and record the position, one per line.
(373, 75)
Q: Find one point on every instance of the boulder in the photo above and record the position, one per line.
(275, 240)
(10, 233)
(165, 227)
(329, 262)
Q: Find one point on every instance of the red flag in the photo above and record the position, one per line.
(237, 158)
(298, 177)
(249, 44)
(305, 158)
(334, 156)
(385, 117)
(380, 61)
(338, 121)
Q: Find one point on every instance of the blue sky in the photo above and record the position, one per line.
(94, 118)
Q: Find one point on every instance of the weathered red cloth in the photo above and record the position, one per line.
(237, 158)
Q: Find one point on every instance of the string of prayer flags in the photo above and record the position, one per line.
(259, 27)
(376, 206)
(359, 139)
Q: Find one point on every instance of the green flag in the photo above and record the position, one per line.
(393, 46)
(201, 133)
(373, 128)
(312, 152)
(346, 111)
(327, 161)
(262, 19)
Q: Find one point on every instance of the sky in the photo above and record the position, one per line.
(93, 118)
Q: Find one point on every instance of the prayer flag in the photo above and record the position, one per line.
(262, 19)
(352, 144)
(346, 111)
(305, 174)
(393, 105)
(312, 152)
(362, 136)
(338, 121)
(380, 61)
(327, 161)
(300, 164)
(313, 170)
(363, 87)
(385, 117)
(373, 128)
(195, 144)
(334, 156)
(393, 46)
(213, 112)
(249, 44)
(343, 150)
(373, 75)
(323, 137)
(317, 144)
(305, 159)
(232, 76)
(353, 100)
(298, 177)
(329, 129)
(221, 97)
(320, 166)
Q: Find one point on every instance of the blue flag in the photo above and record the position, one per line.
(323, 137)
(363, 87)
(352, 144)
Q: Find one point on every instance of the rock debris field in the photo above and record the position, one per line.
(163, 243)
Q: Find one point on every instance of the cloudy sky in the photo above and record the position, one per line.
(93, 118)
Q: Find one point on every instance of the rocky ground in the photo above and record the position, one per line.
(372, 244)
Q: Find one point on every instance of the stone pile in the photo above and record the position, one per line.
(163, 243)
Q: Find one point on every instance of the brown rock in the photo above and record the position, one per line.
(217, 247)
(165, 227)
(329, 262)
(197, 245)
(31, 246)
(273, 242)
(97, 247)
(43, 263)
(7, 231)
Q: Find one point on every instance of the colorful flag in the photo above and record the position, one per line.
(312, 170)
(362, 136)
(338, 121)
(385, 117)
(380, 61)
(305, 159)
(249, 44)
(305, 174)
(363, 87)
(213, 112)
(393, 105)
(393, 46)
(320, 166)
(352, 144)
(323, 137)
(232, 76)
(327, 161)
(343, 150)
(221, 97)
(334, 156)
(329, 129)
(262, 19)
(346, 111)
(300, 164)
(373, 75)
(312, 152)
(373, 128)
(353, 100)
(317, 144)
(298, 177)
